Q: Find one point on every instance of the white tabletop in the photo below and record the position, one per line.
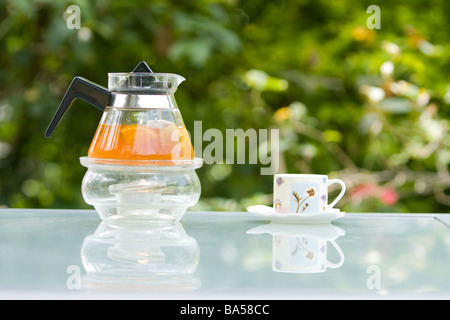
(232, 255)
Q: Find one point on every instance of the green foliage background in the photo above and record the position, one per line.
(368, 105)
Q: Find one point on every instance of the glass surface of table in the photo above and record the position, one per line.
(223, 255)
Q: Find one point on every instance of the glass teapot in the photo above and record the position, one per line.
(141, 163)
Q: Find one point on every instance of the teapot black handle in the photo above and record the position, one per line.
(84, 89)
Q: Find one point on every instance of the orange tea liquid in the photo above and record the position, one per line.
(141, 142)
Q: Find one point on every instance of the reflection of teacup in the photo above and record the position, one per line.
(302, 248)
(303, 193)
(302, 254)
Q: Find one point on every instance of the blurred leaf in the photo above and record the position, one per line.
(396, 105)
(261, 81)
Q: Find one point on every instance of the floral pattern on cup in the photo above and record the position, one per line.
(279, 181)
(277, 204)
(311, 192)
(300, 246)
(324, 201)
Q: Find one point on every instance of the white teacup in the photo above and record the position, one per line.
(304, 193)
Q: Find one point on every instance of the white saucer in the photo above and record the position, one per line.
(299, 218)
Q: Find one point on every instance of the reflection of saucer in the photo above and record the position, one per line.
(298, 218)
(322, 231)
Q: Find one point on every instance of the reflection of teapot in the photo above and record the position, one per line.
(302, 248)
(141, 141)
(149, 255)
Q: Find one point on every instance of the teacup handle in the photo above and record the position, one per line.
(342, 184)
(341, 255)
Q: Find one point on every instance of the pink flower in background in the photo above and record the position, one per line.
(386, 195)
(363, 191)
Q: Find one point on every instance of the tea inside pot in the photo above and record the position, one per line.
(150, 137)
